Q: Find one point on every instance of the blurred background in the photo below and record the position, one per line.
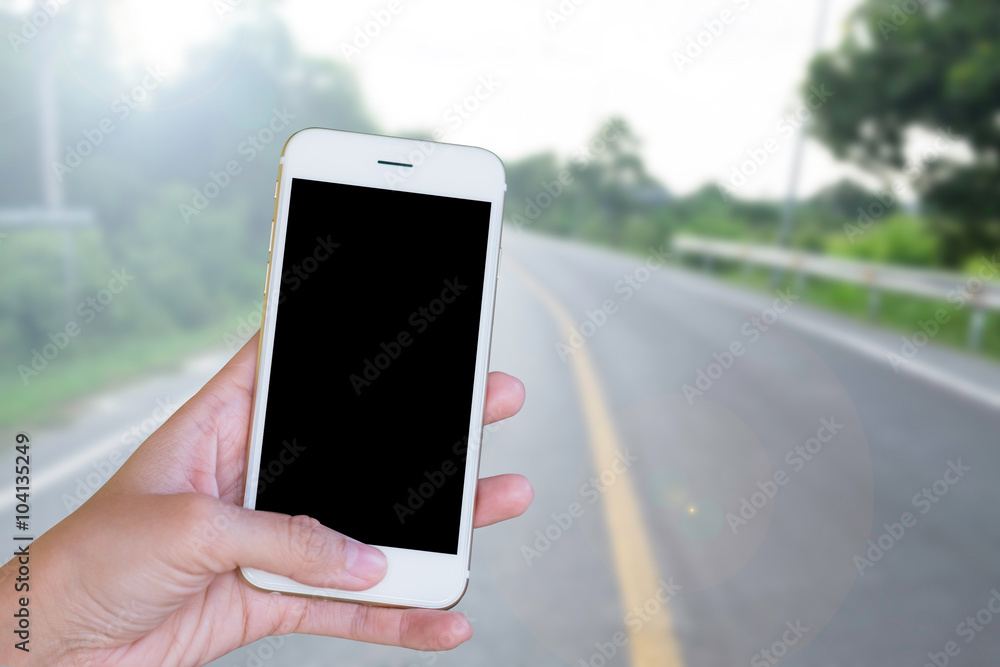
(750, 283)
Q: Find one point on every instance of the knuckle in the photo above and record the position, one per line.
(369, 622)
(311, 543)
(291, 614)
(403, 635)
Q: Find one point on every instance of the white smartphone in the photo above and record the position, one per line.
(374, 352)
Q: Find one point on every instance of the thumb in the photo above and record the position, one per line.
(298, 547)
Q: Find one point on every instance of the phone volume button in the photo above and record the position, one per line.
(267, 277)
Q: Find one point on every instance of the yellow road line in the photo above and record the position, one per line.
(654, 643)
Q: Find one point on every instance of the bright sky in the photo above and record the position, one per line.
(557, 83)
(556, 75)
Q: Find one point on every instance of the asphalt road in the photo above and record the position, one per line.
(766, 445)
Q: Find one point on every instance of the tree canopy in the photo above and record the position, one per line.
(922, 64)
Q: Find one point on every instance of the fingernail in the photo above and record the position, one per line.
(365, 562)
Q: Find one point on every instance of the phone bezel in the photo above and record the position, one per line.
(414, 578)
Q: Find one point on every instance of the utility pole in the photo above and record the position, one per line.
(51, 214)
(788, 210)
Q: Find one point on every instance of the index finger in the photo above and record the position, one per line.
(504, 397)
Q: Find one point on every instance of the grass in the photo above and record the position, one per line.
(54, 396)
(898, 312)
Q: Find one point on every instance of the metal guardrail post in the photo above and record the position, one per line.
(874, 304)
(874, 295)
(777, 275)
(800, 278)
(976, 325)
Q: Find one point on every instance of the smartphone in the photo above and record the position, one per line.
(374, 353)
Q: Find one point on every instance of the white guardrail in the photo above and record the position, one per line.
(982, 295)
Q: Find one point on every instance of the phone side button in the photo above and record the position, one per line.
(499, 262)
(267, 277)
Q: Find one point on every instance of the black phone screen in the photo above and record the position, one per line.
(372, 373)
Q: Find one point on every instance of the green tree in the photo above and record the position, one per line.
(601, 193)
(843, 199)
(189, 273)
(930, 64)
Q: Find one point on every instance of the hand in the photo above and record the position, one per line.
(144, 573)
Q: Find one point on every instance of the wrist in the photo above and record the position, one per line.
(25, 640)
